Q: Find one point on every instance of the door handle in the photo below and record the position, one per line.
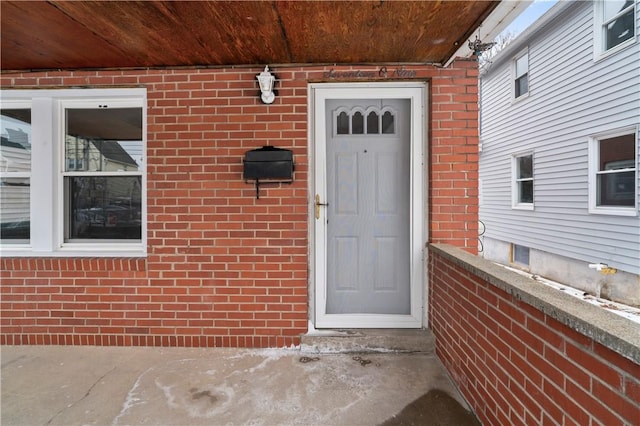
(318, 204)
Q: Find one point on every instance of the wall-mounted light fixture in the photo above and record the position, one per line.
(266, 81)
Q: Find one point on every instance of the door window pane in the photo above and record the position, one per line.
(342, 124)
(357, 124)
(372, 123)
(353, 123)
(15, 173)
(388, 124)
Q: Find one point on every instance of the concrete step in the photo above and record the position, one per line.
(368, 340)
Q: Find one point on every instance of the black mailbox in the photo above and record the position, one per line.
(269, 163)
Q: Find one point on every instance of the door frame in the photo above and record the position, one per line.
(415, 92)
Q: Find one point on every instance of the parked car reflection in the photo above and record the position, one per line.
(111, 221)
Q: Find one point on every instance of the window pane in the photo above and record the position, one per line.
(97, 155)
(342, 126)
(525, 191)
(525, 167)
(372, 123)
(616, 171)
(616, 189)
(15, 218)
(617, 153)
(619, 30)
(522, 65)
(15, 167)
(613, 7)
(103, 140)
(357, 124)
(522, 85)
(104, 207)
(521, 254)
(388, 126)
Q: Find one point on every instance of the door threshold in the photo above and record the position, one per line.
(367, 341)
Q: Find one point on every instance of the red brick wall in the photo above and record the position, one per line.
(517, 365)
(223, 268)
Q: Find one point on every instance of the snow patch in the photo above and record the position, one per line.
(620, 309)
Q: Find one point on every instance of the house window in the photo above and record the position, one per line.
(613, 173)
(522, 188)
(15, 174)
(521, 75)
(520, 254)
(83, 192)
(615, 23)
(103, 189)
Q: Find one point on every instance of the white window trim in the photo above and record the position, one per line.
(594, 142)
(599, 51)
(47, 205)
(514, 75)
(515, 199)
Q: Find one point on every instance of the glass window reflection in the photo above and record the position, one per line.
(15, 173)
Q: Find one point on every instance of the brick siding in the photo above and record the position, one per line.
(517, 365)
(223, 268)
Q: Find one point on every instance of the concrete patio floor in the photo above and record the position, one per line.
(62, 385)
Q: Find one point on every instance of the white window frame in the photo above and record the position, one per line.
(594, 169)
(600, 50)
(515, 76)
(515, 180)
(47, 175)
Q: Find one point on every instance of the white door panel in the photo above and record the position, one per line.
(368, 211)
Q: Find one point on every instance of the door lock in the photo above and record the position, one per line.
(318, 204)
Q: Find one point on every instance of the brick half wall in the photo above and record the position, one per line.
(524, 353)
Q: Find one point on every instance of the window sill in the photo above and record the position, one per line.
(522, 207)
(78, 250)
(520, 98)
(613, 211)
(602, 55)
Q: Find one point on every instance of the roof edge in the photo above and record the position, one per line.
(503, 15)
(518, 43)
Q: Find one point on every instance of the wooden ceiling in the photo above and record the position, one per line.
(132, 34)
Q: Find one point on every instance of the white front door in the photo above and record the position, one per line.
(368, 260)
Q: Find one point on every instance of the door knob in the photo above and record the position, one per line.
(318, 204)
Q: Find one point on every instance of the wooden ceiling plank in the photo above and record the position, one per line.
(124, 34)
(37, 34)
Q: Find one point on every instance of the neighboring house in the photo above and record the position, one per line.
(560, 116)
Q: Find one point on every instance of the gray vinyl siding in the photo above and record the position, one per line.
(571, 97)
